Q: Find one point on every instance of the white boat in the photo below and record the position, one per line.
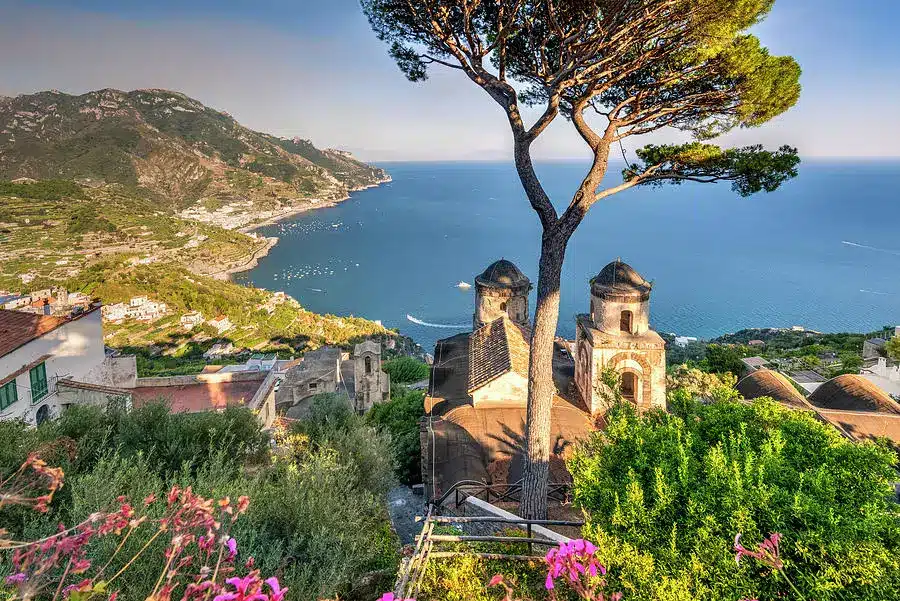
(464, 285)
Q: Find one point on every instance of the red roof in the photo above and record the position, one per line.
(18, 328)
(202, 396)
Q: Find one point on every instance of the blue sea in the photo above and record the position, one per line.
(822, 252)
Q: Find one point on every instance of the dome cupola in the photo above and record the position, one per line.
(501, 290)
(620, 300)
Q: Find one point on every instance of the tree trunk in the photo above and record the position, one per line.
(541, 388)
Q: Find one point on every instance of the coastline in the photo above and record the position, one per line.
(253, 261)
(318, 204)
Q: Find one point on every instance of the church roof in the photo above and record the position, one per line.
(765, 382)
(502, 274)
(495, 349)
(620, 278)
(852, 392)
(367, 346)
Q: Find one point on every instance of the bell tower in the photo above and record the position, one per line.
(616, 335)
(500, 290)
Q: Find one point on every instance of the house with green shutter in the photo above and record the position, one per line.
(42, 359)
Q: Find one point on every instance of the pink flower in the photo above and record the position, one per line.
(767, 552)
(497, 579)
(16, 578)
(231, 544)
(549, 582)
(278, 593)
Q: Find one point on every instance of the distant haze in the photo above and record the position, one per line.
(313, 68)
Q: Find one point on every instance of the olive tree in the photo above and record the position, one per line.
(615, 69)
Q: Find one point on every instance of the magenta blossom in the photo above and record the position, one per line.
(277, 593)
(766, 553)
(231, 544)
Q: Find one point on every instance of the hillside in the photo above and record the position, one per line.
(182, 153)
(52, 230)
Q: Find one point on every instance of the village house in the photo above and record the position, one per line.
(221, 323)
(358, 377)
(191, 320)
(219, 349)
(45, 360)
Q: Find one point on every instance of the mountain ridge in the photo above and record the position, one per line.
(173, 146)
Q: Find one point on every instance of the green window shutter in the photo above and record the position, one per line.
(8, 394)
(38, 376)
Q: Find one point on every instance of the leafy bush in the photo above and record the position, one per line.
(721, 359)
(400, 419)
(665, 495)
(316, 518)
(892, 348)
(169, 441)
(405, 370)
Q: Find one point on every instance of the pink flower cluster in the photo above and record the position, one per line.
(33, 485)
(199, 555)
(576, 564)
(767, 551)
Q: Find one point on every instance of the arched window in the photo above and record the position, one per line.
(625, 322)
(368, 361)
(503, 306)
(629, 386)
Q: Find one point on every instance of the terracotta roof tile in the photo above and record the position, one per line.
(765, 382)
(18, 328)
(495, 349)
(852, 392)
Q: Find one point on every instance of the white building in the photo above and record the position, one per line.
(219, 349)
(39, 351)
(191, 320)
(221, 323)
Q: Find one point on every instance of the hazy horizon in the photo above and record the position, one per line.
(315, 70)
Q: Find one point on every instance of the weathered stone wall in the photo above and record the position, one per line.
(607, 315)
(509, 390)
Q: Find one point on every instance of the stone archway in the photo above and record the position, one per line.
(644, 377)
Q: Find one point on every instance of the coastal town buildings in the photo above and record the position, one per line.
(357, 377)
(139, 308)
(878, 368)
(47, 362)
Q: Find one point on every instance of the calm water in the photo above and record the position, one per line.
(822, 252)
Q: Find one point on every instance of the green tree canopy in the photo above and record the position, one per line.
(665, 495)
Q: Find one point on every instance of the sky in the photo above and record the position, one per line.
(314, 69)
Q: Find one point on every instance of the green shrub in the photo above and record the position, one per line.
(666, 494)
(316, 519)
(400, 419)
(405, 370)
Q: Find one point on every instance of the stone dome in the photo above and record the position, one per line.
(852, 392)
(765, 382)
(502, 274)
(619, 279)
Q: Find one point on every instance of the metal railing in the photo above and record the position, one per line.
(412, 571)
(557, 491)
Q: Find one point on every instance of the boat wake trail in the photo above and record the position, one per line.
(875, 248)
(874, 292)
(435, 325)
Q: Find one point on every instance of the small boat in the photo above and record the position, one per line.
(464, 285)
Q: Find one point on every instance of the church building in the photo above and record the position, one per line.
(475, 410)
